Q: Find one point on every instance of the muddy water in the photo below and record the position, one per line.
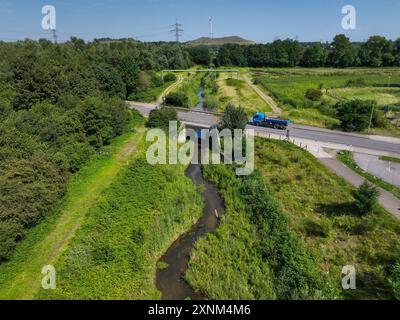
(170, 281)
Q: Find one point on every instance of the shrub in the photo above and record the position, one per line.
(160, 118)
(170, 77)
(359, 82)
(366, 197)
(177, 99)
(211, 102)
(314, 94)
(395, 279)
(354, 115)
(234, 118)
(10, 233)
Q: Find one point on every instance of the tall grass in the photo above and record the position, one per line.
(114, 254)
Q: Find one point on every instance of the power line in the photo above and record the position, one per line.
(210, 22)
(177, 30)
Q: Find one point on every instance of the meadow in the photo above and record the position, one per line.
(232, 90)
(115, 252)
(289, 86)
(320, 211)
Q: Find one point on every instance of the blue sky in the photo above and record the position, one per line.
(149, 20)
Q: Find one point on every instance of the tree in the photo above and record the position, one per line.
(201, 55)
(366, 198)
(315, 56)
(355, 115)
(233, 118)
(342, 53)
(160, 118)
(378, 52)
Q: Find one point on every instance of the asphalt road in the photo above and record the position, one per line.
(296, 131)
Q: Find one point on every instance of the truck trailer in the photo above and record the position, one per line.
(262, 120)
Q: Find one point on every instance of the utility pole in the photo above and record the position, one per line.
(177, 30)
(370, 119)
(210, 24)
(54, 35)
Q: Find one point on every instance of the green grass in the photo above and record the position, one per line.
(320, 210)
(288, 88)
(253, 254)
(390, 159)
(311, 117)
(238, 92)
(347, 158)
(20, 278)
(114, 254)
(151, 94)
(190, 87)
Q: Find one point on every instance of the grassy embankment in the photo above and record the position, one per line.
(320, 210)
(239, 92)
(347, 158)
(185, 94)
(114, 254)
(20, 278)
(288, 88)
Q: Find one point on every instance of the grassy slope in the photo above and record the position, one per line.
(238, 92)
(20, 278)
(114, 254)
(320, 208)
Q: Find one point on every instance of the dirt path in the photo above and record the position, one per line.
(169, 89)
(386, 199)
(24, 278)
(263, 96)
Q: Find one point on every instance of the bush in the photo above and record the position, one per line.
(395, 279)
(355, 115)
(10, 233)
(170, 77)
(314, 94)
(359, 82)
(211, 102)
(177, 99)
(160, 118)
(234, 118)
(366, 197)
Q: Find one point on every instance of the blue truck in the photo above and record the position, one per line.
(260, 119)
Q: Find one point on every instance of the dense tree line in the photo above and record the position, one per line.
(58, 105)
(341, 53)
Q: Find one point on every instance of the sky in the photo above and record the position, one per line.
(149, 20)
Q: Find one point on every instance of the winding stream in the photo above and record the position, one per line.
(171, 280)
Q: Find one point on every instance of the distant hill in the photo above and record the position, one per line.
(204, 41)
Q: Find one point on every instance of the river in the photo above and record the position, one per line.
(171, 280)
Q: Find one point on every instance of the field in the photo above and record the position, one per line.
(114, 253)
(320, 210)
(238, 92)
(288, 87)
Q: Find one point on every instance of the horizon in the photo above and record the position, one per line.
(151, 20)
